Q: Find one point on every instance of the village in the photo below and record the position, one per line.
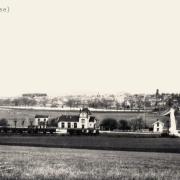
(117, 101)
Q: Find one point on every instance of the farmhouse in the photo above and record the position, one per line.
(166, 124)
(158, 126)
(40, 121)
(82, 121)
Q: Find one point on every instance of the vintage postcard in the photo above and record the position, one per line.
(89, 90)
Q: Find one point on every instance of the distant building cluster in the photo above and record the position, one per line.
(32, 95)
(156, 101)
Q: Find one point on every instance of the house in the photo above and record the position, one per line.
(170, 123)
(158, 126)
(40, 121)
(163, 125)
(82, 121)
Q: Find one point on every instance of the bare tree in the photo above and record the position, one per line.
(15, 122)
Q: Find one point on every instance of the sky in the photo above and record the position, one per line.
(81, 46)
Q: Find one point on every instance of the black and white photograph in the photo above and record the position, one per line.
(90, 90)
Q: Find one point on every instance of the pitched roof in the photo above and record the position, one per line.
(159, 122)
(41, 116)
(86, 110)
(68, 118)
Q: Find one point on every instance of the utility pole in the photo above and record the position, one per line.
(145, 110)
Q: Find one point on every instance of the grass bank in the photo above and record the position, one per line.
(97, 142)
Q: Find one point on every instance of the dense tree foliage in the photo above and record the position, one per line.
(123, 125)
(3, 122)
(109, 124)
(23, 101)
(137, 124)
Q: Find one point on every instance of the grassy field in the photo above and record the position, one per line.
(97, 142)
(70, 164)
(20, 114)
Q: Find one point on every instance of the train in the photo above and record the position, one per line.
(34, 130)
(27, 130)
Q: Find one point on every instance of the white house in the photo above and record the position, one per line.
(40, 121)
(169, 124)
(82, 121)
(158, 127)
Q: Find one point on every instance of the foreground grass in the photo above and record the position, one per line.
(96, 142)
(56, 163)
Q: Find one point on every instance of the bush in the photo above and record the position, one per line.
(137, 124)
(109, 124)
(3, 122)
(123, 125)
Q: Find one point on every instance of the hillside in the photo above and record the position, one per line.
(27, 114)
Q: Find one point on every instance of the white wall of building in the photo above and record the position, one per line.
(158, 127)
(83, 120)
(65, 126)
(37, 120)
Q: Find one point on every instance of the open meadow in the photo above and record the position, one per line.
(57, 163)
(26, 114)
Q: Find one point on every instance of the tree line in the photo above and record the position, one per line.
(106, 124)
(124, 125)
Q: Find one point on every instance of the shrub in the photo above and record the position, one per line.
(123, 125)
(3, 122)
(109, 124)
(137, 124)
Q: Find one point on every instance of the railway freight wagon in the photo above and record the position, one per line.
(31, 126)
(27, 130)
